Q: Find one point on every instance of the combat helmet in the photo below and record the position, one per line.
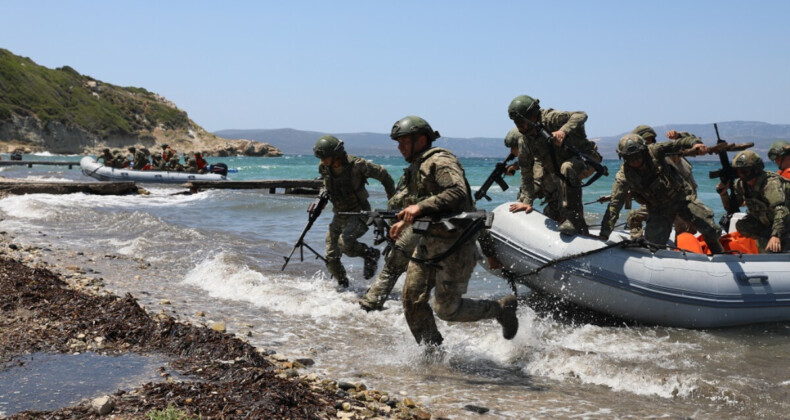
(778, 149)
(645, 131)
(523, 107)
(749, 161)
(329, 146)
(631, 145)
(512, 138)
(413, 125)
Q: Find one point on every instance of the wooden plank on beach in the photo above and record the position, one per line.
(98, 188)
(291, 186)
(30, 163)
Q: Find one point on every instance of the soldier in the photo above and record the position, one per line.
(201, 163)
(531, 173)
(766, 196)
(174, 165)
(397, 260)
(191, 166)
(168, 153)
(638, 216)
(106, 156)
(436, 184)
(566, 169)
(157, 164)
(653, 181)
(779, 154)
(120, 160)
(344, 178)
(140, 159)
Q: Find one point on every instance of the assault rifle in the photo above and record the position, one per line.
(589, 160)
(496, 176)
(727, 175)
(606, 198)
(477, 220)
(313, 212)
(720, 147)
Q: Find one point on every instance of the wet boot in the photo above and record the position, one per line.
(371, 262)
(337, 271)
(507, 316)
(573, 212)
(369, 306)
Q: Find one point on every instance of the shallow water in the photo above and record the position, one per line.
(220, 251)
(44, 381)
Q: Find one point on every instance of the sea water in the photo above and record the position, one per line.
(220, 252)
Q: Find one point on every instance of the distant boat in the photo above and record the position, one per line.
(656, 287)
(101, 172)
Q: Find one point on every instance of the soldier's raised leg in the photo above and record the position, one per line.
(395, 264)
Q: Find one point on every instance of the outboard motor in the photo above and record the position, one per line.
(220, 169)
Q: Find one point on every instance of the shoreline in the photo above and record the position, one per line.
(53, 309)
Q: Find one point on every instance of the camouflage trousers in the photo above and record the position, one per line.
(637, 217)
(751, 227)
(342, 239)
(570, 192)
(450, 281)
(660, 220)
(395, 264)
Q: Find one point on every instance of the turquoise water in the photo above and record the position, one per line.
(221, 252)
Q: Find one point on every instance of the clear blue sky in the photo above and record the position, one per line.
(351, 66)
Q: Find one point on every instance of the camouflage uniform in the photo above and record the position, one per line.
(563, 195)
(174, 165)
(665, 193)
(120, 160)
(397, 260)
(140, 159)
(768, 209)
(191, 166)
(435, 177)
(543, 184)
(347, 193)
(107, 157)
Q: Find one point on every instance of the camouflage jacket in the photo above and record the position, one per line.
(532, 174)
(572, 123)
(347, 189)
(140, 160)
(657, 183)
(767, 201)
(436, 181)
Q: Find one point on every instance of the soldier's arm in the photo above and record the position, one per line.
(688, 140)
(775, 194)
(526, 162)
(566, 121)
(378, 172)
(619, 192)
(450, 179)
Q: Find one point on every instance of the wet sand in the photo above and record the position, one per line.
(219, 376)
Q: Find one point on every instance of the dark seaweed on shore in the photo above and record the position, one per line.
(228, 378)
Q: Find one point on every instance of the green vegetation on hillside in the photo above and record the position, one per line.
(65, 96)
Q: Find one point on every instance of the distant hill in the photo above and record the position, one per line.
(297, 142)
(62, 111)
(292, 141)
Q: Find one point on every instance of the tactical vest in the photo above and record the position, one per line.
(347, 191)
(660, 187)
(418, 189)
(756, 200)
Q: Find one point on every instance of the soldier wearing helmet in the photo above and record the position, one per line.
(766, 195)
(435, 183)
(167, 154)
(638, 216)
(565, 169)
(531, 173)
(344, 178)
(191, 166)
(656, 183)
(106, 156)
(140, 158)
(779, 152)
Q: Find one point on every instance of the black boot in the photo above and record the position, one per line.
(507, 316)
(371, 262)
